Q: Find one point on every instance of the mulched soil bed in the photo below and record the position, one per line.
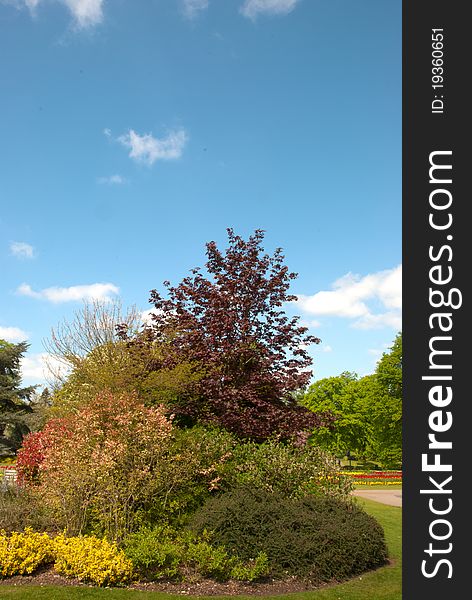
(202, 587)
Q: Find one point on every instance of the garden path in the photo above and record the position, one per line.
(391, 497)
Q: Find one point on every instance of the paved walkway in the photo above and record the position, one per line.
(391, 497)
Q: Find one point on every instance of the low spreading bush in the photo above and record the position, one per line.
(22, 553)
(155, 552)
(92, 560)
(315, 537)
(164, 552)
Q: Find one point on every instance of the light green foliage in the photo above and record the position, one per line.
(251, 570)
(368, 410)
(121, 367)
(164, 552)
(155, 552)
(207, 560)
(110, 367)
(286, 469)
(191, 471)
(339, 396)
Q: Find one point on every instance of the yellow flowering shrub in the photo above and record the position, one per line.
(21, 553)
(91, 559)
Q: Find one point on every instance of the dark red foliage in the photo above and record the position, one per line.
(232, 323)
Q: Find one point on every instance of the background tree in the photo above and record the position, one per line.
(337, 395)
(40, 403)
(88, 357)
(229, 326)
(92, 330)
(383, 401)
(368, 411)
(14, 398)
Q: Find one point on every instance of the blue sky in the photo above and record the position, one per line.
(132, 132)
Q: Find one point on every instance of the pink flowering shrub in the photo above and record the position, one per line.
(103, 465)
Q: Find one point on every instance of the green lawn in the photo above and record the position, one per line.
(382, 584)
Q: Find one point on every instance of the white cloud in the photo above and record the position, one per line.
(253, 8)
(377, 352)
(41, 367)
(147, 149)
(94, 291)
(191, 8)
(13, 334)
(112, 180)
(146, 315)
(391, 319)
(319, 348)
(311, 324)
(351, 295)
(22, 250)
(85, 13)
(33, 366)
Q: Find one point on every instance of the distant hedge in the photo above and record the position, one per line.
(316, 538)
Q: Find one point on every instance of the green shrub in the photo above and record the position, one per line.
(315, 537)
(164, 552)
(284, 468)
(208, 561)
(251, 570)
(155, 552)
(203, 462)
(191, 472)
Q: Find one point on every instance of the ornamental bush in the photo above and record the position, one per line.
(22, 553)
(103, 468)
(191, 471)
(204, 462)
(316, 538)
(292, 471)
(91, 559)
(164, 552)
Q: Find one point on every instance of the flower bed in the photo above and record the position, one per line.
(374, 478)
